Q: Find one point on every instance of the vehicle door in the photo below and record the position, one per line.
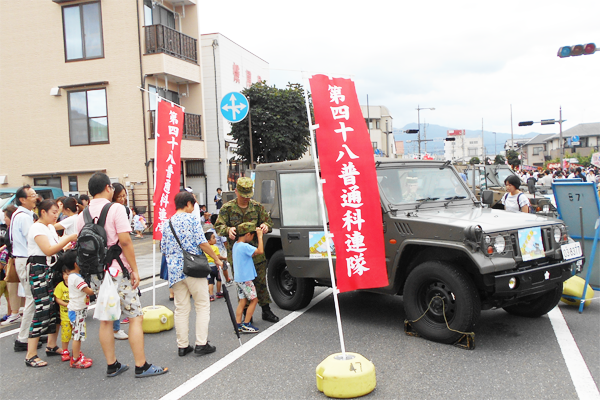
(302, 236)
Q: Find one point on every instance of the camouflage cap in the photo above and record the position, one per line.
(245, 187)
(246, 227)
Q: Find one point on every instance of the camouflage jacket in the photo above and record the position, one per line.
(231, 215)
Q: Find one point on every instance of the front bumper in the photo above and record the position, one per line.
(534, 280)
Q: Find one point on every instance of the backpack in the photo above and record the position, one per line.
(92, 253)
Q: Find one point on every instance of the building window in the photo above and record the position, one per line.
(374, 144)
(82, 25)
(73, 186)
(165, 94)
(194, 168)
(88, 117)
(54, 182)
(472, 152)
(377, 124)
(537, 151)
(155, 14)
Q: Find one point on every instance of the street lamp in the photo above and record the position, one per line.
(552, 122)
(495, 150)
(419, 108)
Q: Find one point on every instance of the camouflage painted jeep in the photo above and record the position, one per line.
(448, 255)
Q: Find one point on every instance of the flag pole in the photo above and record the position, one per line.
(328, 236)
(158, 98)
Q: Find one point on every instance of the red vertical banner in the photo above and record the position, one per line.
(348, 169)
(167, 162)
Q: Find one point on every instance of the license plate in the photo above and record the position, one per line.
(571, 250)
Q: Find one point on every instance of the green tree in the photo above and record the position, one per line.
(499, 159)
(279, 124)
(513, 158)
(474, 160)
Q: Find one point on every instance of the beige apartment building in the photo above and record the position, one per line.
(76, 69)
(379, 124)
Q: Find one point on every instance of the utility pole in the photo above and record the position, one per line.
(419, 125)
(482, 145)
(512, 139)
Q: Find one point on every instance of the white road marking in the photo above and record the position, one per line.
(580, 374)
(12, 332)
(209, 372)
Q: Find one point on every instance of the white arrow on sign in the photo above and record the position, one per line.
(234, 108)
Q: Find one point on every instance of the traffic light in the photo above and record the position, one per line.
(577, 50)
(412, 131)
(450, 139)
(525, 123)
(547, 122)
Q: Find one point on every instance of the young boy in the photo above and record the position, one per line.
(61, 296)
(245, 272)
(78, 292)
(214, 272)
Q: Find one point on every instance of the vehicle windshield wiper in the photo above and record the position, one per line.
(452, 199)
(425, 200)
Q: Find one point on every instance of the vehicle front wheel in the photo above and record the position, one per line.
(442, 300)
(287, 292)
(538, 306)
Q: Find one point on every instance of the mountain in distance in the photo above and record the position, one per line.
(439, 133)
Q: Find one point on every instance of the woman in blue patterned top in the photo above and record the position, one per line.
(192, 239)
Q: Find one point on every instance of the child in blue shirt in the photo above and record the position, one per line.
(245, 273)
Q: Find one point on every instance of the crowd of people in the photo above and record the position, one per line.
(545, 177)
(48, 293)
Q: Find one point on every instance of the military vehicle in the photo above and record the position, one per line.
(447, 254)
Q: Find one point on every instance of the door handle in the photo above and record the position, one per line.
(293, 236)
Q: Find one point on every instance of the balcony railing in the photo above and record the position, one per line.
(192, 126)
(162, 39)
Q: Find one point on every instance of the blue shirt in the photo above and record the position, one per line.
(190, 235)
(22, 219)
(242, 259)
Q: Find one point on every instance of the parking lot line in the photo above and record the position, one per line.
(580, 374)
(209, 372)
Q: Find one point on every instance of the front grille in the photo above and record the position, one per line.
(515, 244)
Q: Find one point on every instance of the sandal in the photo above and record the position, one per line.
(56, 351)
(35, 362)
(152, 371)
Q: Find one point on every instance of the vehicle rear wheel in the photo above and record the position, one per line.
(287, 292)
(537, 306)
(436, 294)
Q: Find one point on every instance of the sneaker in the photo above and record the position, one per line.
(205, 349)
(219, 295)
(65, 355)
(212, 298)
(125, 321)
(12, 319)
(81, 362)
(249, 328)
(4, 318)
(121, 335)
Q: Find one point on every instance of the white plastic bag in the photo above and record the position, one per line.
(108, 304)
(20, 290)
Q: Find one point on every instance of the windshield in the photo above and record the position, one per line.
(503, 173)
(407, 186)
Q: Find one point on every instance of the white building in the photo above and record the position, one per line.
(463, 148)
(379, 124)
(227, 67)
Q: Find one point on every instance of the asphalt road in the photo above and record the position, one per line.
(514, 358)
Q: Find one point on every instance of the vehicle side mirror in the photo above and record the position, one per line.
(487, 197)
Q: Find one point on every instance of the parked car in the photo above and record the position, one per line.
(7, 197)
(448, 255)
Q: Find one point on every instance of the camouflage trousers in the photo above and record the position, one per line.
(260, 282)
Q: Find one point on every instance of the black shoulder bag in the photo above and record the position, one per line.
(194, 265)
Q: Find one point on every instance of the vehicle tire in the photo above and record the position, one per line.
(538, 306)
(287, 292)
(453, 297)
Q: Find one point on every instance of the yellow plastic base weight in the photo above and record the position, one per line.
(346, 378)
(157, 319)
(574, 287)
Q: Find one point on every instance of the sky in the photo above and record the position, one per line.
(470, 60)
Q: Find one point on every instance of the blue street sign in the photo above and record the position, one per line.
(234, 107)
(575, 139)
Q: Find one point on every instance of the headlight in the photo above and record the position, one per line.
(499, 244)
(557, 234)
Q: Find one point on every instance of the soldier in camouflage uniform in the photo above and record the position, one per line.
(240, 210)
